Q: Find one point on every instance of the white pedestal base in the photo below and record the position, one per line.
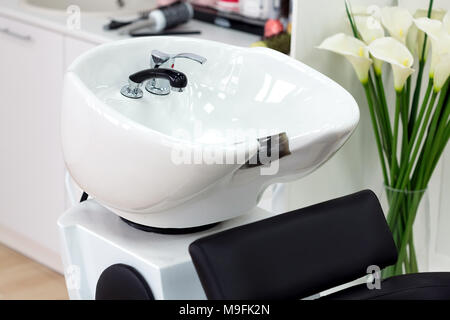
(94, 238)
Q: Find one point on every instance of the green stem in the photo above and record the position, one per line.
(408, 94)
(422, 61)
(375, 130)
(434, 141)
(443, 144)
(412, 254)
(412, 212)
(378, 108)
(352, 22)
(401, 183)
(404, 179)
(404, 116)
(398, 104)
(385, 113)
(416, 125)
(415, 101)
(406, 168)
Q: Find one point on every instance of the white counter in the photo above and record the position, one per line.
(91, 27)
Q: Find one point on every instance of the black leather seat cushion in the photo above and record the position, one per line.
(419, 286)
(296, 254)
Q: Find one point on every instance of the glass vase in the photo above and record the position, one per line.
(408, 216)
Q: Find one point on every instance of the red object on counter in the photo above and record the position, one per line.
(272, 28)
(228, 5)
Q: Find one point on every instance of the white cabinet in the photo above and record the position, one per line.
(31, 163)
(73, 48)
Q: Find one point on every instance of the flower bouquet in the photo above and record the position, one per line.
(410, 139)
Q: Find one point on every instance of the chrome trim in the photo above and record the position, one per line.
(270, 149)
(190, 56)
(132, 90)
(154, 86)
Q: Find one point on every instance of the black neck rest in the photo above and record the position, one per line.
(296, 254)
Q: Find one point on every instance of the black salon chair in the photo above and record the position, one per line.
(306, 251)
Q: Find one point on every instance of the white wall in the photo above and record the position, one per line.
(356, 165)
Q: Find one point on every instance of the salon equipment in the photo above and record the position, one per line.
(256, 256)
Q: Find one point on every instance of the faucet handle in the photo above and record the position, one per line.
(159, 58)
(190, 56)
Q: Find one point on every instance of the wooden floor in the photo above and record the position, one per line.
(23, 278)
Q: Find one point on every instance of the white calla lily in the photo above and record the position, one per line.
(442, 71)
(440, 47)
(397, 21)
(353, 49)
(397, 54)
(416, 37)
(369, 28)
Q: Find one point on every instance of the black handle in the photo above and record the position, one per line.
(177, 79)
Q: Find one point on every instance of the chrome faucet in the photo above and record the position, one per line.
(161, 59)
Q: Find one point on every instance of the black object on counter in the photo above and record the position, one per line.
(156, 20)
(116, 24)
(229, 20)
(176, 13)
(164, 33)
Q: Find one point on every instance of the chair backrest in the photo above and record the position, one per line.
(296, 254)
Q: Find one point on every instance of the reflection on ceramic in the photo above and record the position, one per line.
(90, 6)
(131, 154)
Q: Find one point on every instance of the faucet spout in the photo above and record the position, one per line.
(176, 78)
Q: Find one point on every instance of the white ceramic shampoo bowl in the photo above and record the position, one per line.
(131, 154)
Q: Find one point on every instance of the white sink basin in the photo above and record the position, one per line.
(126, 152)
(92, 7)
